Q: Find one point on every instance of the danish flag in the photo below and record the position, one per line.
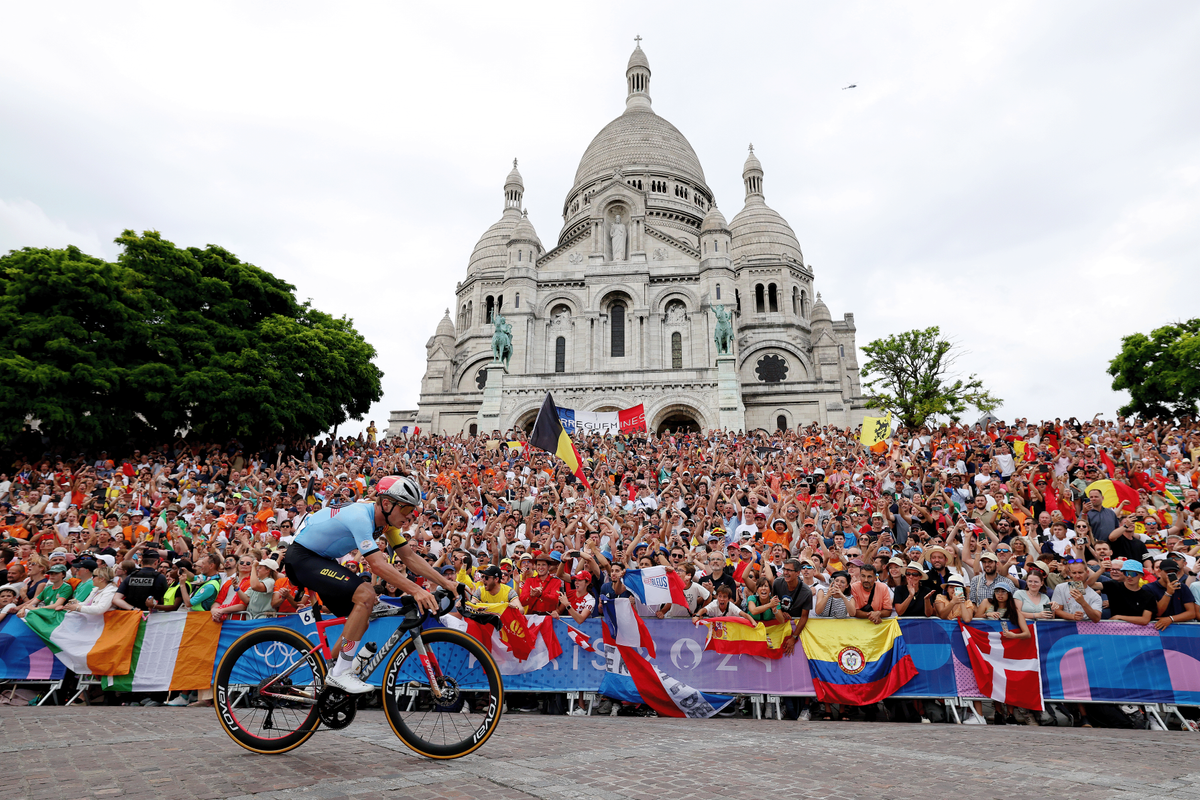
(1006, 670)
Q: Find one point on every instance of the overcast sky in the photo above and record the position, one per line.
(1024, 175)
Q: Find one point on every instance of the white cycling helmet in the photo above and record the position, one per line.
(400, 488)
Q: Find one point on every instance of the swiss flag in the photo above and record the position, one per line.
(1006, 670)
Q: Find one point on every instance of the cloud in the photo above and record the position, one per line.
(23, 223)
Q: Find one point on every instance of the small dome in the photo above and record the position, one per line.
(514, 178)
(445, 327)
(524, 232)
(820, 312)
(752, 163)
(759, 230)
(492, 248)
(714, 221)
(638, 59)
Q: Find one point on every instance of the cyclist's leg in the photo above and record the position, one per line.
(355, 627)
(341, 591)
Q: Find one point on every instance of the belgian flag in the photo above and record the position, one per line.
(548, 435)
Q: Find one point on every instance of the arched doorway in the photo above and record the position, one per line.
(677, 417)
(678, 422)
(526, 420)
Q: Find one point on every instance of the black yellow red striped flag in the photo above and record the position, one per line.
(548, 435)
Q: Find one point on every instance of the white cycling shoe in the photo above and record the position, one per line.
(349, 682)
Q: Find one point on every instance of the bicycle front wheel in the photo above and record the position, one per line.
(472, 695)
(258, 710)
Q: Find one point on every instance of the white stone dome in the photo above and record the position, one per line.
(445, 327)
(514, 177)
(714, 221)
(492, 248)
(820, 312)
(639, 139)
(759, 230)
(523, 232)
(638, 59)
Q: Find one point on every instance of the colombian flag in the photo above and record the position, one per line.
(734, 635)
(856, 662)
(548, 435)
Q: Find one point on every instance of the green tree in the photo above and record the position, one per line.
(70, 324)
(1161, 371)
(170, 339)
(910, 375)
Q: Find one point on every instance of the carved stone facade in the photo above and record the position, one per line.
(618, 312)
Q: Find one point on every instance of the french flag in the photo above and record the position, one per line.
(655, 586)
(623, 626)
(1006, 670)
(629, 677)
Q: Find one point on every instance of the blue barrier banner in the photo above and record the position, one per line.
(1082, 661)
(1118, 662)
(24, 656)
(1106, 662)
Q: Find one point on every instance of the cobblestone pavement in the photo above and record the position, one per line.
(180, 753)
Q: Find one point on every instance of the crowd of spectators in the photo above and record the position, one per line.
(991, 521)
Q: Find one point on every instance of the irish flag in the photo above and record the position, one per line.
(88, 643)
(172, 651)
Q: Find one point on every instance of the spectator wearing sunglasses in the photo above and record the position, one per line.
(1128, 601)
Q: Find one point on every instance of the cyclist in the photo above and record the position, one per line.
(329, 534)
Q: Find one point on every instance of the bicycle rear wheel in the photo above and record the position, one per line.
(469, 709)
(282, 716)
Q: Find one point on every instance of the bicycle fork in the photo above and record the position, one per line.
(430, 664)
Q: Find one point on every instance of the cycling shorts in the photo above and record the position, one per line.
(333, 582)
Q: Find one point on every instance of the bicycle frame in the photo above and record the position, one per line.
(428, 660)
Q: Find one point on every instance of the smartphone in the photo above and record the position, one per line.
(1076, 585)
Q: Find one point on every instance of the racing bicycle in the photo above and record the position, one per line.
(442, 693)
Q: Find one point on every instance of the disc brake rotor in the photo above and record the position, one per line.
(451, 699)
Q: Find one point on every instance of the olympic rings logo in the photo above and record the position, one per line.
(276, 654)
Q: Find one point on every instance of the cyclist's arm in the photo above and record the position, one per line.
(417, 563)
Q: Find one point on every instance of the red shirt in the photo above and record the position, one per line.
(548, 601)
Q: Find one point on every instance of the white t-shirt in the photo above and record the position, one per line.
(713, 609)
(585, 604)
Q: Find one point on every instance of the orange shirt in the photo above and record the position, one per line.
(772, 537)
(882, 600)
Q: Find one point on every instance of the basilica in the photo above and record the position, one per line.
(623, 309)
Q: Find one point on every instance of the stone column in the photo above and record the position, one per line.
(489, 411)
(732, 411)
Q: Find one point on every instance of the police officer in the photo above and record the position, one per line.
(143, 588)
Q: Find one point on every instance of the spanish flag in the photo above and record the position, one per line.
(734, 635)
(548, 435)
(855, 661)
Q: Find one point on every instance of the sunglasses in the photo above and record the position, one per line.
(1005, 550)
(245, 563)
(913, 574)
(1076, 561)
